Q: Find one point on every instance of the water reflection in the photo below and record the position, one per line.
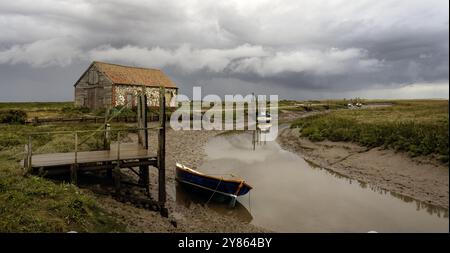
(420, 205)
(186, 196)
(291, 195)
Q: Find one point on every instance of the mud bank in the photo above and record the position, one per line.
(419, 178)
(186, 147)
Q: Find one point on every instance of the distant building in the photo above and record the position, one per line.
(105, 85)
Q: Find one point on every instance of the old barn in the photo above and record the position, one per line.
(105, 85)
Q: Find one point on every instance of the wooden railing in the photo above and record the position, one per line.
(90, 119)
(107, 139)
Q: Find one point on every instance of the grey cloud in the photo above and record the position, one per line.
(284, 46)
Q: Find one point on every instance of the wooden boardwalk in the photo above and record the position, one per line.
(136, 157)
(128, 152)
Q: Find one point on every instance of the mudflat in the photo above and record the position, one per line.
(420, 178)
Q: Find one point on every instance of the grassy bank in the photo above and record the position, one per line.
(34, 204)
(419, 127)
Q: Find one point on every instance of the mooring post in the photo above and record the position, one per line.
(162, 150)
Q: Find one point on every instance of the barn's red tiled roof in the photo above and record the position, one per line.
(120, 74)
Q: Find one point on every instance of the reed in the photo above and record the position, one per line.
(419, 127)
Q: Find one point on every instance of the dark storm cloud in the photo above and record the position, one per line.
(316, 48)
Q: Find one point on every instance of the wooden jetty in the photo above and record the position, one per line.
(112, 158)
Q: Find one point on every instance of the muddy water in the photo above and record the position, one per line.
(291, 195)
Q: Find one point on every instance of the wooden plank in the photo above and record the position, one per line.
(108, 166)
(55, 159)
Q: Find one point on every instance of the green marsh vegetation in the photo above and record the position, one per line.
(418, 127)
(34, 204)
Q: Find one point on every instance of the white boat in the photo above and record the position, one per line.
(263, 118)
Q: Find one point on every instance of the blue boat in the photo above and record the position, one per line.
(230, 187)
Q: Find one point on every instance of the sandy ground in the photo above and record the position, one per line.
(420, 178)
(186, 147)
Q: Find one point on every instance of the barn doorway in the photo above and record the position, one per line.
(95, 100)
(91, 98)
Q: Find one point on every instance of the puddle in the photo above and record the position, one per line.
(291, 195)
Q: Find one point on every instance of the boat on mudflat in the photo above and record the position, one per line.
(264, 117)
(230, 187)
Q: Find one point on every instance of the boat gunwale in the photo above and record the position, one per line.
(189, 170)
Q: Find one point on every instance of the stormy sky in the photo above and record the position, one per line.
(295, 49)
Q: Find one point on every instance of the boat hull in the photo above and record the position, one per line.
(227, 187)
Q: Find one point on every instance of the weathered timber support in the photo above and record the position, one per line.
(107, 133)
(30, 153)
(109, 173)
(162, 149)
(144, 176)
(74, 174)
(25, 161)
(142, 120)
(116, 179)
(74, 166)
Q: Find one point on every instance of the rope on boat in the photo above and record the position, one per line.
(214, 192)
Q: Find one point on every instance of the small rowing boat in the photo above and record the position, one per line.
(230, 187)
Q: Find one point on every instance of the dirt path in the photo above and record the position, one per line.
(419, 178)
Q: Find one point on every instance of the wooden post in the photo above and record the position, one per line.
(138, 119)
(144, 176)
(118, 148)
(116, 170)
(30, 153)
(25, 160)
(256, 122)
(109, 174)
(254, 139)
(116, 179)
(142, 121)
(74, 167)
(27, 157)
(107, 137)
(161, 148)
(107, 142)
